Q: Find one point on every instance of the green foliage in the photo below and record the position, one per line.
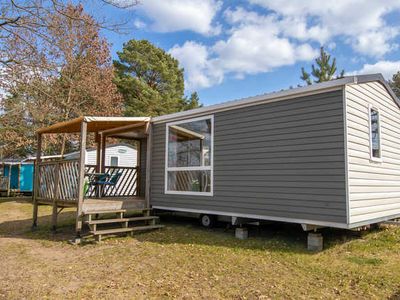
(324, 71)
(150, 80)
(362, 261)
(395, 84)
(192, 102)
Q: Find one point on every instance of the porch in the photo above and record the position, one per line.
(96, 189)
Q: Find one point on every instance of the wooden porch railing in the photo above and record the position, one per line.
(126, 185)
(3, 183)
(59, 180)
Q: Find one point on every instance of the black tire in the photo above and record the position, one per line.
(207, 221)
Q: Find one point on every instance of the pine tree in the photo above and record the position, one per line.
(150, 80)
(395, 84)
(324, 71)
(192, 102)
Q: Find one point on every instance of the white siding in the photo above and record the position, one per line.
(127, 155)
(374, 187)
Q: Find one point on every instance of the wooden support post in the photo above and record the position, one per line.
(55, 198)
(19, 177)
(98, 140)
(81, 193)
(148, 166)
(99, 155)
(139, 167)
(103, 144)
(9, 180)
(36, 181)
(103, 153)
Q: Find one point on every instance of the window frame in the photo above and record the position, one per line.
(371, 156)
(114, 156)
(199, 168)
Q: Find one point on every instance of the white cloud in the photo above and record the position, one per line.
(387, 68)
(258, 42)
(255, 45)
(253, 49)
(139, 24)
(361, 21)
(178, 15)
(199, 68)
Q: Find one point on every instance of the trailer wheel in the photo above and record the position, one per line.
(207, 221)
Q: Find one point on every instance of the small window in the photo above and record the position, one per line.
(189, 152)
(114, 161)
(375, 134)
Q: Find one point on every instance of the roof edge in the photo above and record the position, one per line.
(379, 77)
(281, 95)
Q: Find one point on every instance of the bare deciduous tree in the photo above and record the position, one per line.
(61, 72)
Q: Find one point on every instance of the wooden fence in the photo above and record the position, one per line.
(59, 180)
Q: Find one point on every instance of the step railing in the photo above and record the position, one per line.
(58, 180)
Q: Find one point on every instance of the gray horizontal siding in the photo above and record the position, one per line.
(283, 159)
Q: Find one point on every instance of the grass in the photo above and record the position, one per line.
(187, 262)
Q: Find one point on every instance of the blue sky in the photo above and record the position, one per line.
(235, 49)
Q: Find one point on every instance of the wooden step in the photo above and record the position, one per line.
(99, 212)
(120, 220)
(129, 229)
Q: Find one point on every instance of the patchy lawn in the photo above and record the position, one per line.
(186, 261)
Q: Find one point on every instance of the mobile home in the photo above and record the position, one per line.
(16, 177)
(325, 154)
(320, 155)
(120, 154)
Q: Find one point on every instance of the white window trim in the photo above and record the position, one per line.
(371, 157)
(115, 156)
(199, 168)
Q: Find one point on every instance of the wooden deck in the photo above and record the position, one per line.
(113, 203)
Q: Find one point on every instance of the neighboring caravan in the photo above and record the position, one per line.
(321, 155)
(16, 177)
(117, 155)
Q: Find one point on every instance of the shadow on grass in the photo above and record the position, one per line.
(275, 236)
(23, 228)
(395, 296)
(20, 199)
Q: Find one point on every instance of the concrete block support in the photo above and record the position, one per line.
(315, 242)
(241, 233)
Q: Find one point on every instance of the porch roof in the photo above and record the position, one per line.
(109, 125)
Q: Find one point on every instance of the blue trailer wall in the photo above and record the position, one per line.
(14, 175)
(26, 178)
(21, 177)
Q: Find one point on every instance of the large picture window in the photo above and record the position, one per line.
(189, 157)
(375, 134)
